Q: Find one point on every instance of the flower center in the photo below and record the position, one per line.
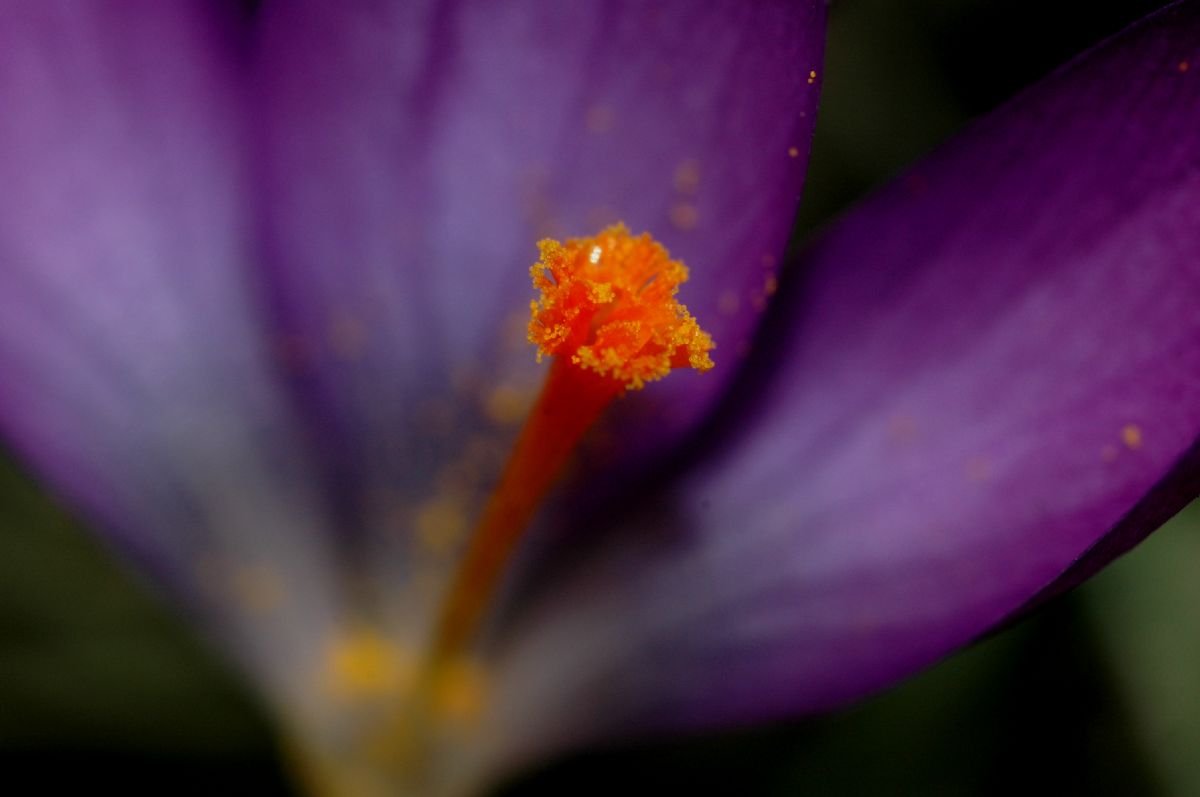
(608, 315)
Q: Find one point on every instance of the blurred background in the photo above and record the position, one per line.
(1098, 693)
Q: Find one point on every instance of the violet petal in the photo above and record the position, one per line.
(415, 152)
(979, 373)
(136, 379)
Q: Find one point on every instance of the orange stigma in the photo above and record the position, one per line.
(609, 303)
(609, 316)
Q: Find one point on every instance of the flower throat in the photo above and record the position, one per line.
(608, 317)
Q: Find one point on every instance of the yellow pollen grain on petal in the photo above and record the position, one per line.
(608, 303)
(978, 469)
(347, 335)
(902, 429)
(507, 405)
(258, 589)
(599, 119)
(687, 177)
(1131, 436)
(365, 665)
(728, 303)
(459, 692)
(441, 523)
(684, 215)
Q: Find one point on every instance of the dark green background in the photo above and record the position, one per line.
(102, 688)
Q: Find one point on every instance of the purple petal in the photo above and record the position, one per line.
(136, 380)
(415, 152)
(978, 375)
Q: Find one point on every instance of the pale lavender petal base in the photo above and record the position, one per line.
(976, 376)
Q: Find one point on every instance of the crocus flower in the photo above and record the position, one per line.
(257, 289)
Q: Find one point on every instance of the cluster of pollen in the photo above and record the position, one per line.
(608, 302)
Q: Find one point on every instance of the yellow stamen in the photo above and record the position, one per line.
(608, 315)
(366, 665)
